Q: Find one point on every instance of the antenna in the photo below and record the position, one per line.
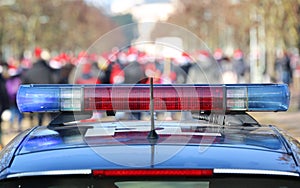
(152, 136)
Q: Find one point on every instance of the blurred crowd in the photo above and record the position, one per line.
(129, 66)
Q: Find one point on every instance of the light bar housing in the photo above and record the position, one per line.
(199, 97)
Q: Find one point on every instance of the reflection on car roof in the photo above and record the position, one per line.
(135, 133)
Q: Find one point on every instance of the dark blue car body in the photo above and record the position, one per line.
(77, 149)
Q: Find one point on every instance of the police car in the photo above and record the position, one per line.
(221, 146)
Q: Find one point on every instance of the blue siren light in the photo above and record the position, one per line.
(199, 97)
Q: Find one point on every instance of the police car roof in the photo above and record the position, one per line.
(180, 145)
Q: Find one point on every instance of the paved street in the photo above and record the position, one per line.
(287, 121)
(9, 132)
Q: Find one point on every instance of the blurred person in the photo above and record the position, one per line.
(102, 66)
(174, 71)
(185, 64)
(239, 65)
(111, 66)
(117, 74)
(13, 82)
(112, 71)
(106, 67)
(78, 64)
(218, 55)
(134, 72)
(40, 73)
(86, 76)
(283, 68)
(229, 74)
(204, 71)
(122, 59)
(64, 73)
(26, 63)
(96, 70)
(4, 102)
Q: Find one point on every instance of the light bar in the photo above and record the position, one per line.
(232, 97)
